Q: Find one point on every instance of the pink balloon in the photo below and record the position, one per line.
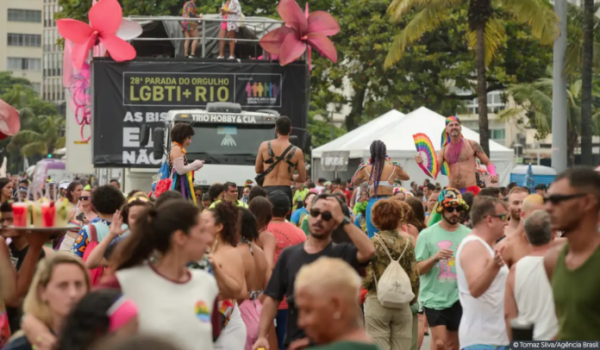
(9, 120)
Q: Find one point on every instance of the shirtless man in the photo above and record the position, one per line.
(460, 155)
(515, 246)
(515, 202)
(280, 176)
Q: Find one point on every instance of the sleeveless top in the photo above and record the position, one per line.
(179, 178)
(385, 183)
(533, 295)
(577, 297)
(482, 320)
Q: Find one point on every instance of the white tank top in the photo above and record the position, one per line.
(533, 295)
(482, 321)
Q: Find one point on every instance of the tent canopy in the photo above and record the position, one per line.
(396, 131)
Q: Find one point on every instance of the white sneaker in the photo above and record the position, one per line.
(232, 57)
(220, 57)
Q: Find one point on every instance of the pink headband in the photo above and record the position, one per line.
(121, 312)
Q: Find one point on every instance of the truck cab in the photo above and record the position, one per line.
(226, 138)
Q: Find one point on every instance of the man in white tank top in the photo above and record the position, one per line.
(528, 291)
(482, 277)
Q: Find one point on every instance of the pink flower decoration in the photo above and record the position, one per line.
(9, 120)
(290, 41)
(105, 19)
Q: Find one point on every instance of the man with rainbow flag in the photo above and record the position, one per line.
(456, 159)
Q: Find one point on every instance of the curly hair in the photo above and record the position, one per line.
(215, 191)
(378, 155)
(180, 132)
(388, 213)
(226, 214)
(88, 321)
(107, 199)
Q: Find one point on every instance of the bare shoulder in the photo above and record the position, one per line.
(176, 152)
(263, 145)
(299, 155)
(551, 257)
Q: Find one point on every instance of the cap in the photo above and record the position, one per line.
(279, 199)
(450, 197)
(22, 189)
(540, 187)
(63, 185)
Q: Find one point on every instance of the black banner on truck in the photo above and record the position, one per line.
(128, 95)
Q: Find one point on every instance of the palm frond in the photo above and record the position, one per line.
(34, 148)
(539, 17)
(425, 21)
(511, 113)
(25, 136)
(60, 143)
(399, 8)
(494, 36)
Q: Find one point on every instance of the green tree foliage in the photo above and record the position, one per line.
(42, 129)
(486, 33)
(534, 100)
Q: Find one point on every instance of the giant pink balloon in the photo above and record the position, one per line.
(300, 31)
(9, 120)
(105, 20)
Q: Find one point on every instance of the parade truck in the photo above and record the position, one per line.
(232, 105)
(225, 137)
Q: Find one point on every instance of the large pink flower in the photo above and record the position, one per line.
(289, 42)
(9, 120)
(105, 20)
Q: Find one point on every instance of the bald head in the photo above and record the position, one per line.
(531, 203)
(329, 275)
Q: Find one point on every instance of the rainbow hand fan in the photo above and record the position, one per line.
(427, 152)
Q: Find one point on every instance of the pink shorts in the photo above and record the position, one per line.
(250, 310)
(224, 25)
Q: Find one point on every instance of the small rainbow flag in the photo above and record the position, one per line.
(430, 162)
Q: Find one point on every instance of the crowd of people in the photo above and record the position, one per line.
(291, 264)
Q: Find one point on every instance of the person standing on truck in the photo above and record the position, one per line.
(278, 158)
(183, 178)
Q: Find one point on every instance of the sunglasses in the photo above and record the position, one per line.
(502, 217)
(326, 216)
(452, 209)
(556, 199)
(85, 198)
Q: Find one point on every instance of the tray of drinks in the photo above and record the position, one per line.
(40, 229)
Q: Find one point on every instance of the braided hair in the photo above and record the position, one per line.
(378, 156)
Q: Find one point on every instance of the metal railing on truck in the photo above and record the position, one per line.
(259, 26)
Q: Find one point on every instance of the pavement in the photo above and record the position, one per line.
(426, 343)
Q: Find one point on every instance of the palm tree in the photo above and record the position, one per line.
(535, 99)
(586, 88)
(573, 58)
(50, 136)
(485, 36)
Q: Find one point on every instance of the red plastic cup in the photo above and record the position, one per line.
(19, 210)
(48, 214)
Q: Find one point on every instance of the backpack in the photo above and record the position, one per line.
(394, 288)
(95, 274)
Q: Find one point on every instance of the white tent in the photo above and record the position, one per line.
(398, 137)
(356, 140)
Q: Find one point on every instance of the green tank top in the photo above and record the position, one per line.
(577, 297)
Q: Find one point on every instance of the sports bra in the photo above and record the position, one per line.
(287, 159)
(385, 183)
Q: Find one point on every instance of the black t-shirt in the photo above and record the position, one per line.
(284, 275)
(15, 313)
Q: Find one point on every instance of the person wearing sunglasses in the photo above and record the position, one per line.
(435, 249)
(516, 246)
(482, 278)
(573, 202)
(325, 216)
